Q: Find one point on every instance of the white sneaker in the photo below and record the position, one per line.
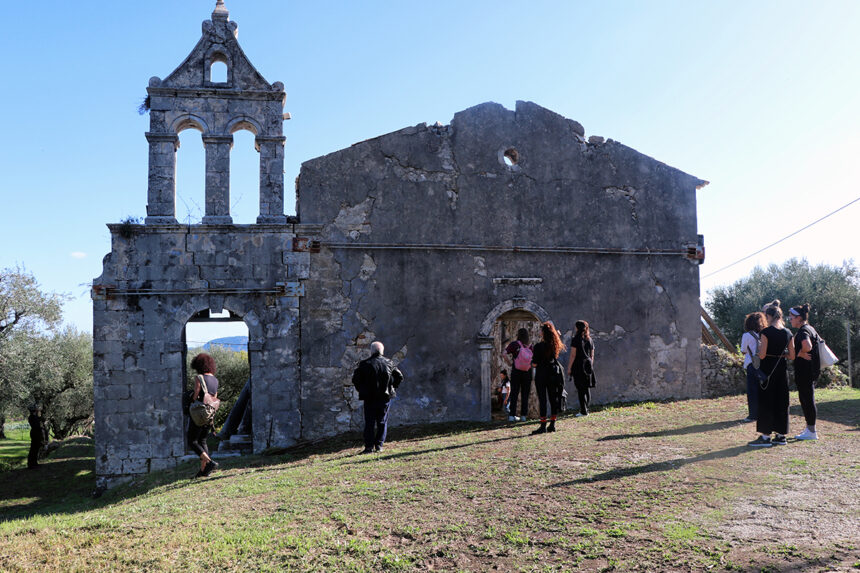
(806, 434)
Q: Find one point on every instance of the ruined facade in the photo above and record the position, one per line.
(433, 239)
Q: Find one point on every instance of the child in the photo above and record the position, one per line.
(504, 390)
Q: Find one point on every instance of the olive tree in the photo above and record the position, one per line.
(24, 311)
(833, 294)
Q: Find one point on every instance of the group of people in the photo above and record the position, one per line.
(548, 375)
(767, 346)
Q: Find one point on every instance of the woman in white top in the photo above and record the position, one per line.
(754, 323)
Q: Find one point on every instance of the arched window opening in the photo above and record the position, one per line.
(218, 72)
(190, 178)
(244, 178)
(224, 336)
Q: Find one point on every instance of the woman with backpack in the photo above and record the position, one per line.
(519, 355)
(204, 364)
(549, 378)
(774, 350)
(581, 365)
(753, 324)
(805, 372)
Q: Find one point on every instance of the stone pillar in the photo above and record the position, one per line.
(271, 179)
(161, 194)
(485, 346)
(217, 179)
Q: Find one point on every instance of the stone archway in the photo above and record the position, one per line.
(513, 311)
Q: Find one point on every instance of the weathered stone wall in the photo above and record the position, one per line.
(415, 251)
(722, 372)
(154, 280)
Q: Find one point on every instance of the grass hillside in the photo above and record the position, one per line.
(646, 487)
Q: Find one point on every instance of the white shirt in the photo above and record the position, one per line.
(749, 345)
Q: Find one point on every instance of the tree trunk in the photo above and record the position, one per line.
(2, 426)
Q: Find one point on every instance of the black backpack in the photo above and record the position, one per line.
(814, 353)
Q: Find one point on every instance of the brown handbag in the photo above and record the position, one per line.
(202, 412)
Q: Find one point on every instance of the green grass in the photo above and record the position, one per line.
(14, 450)
(644, 487)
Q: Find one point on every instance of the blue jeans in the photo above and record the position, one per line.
(752, 395)
(375, 422)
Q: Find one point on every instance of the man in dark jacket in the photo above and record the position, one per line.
(376, 378)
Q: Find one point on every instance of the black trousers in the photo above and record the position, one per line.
(197, 438)
(806, 389)
(582, 382)
(521, 387)
(546, 393)
(375, 422)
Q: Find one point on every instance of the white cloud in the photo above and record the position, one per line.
(78, 255)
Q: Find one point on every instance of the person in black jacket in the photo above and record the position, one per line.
(376, 379)
(38, 435)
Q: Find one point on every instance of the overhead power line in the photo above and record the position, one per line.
(782, 239)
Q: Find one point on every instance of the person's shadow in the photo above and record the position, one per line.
(657, 466)
(696, 429)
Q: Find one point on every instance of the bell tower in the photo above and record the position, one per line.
(188, 98)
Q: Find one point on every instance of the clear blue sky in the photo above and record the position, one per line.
(762, 99)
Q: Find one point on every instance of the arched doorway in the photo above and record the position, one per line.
(499, 329)
(224, 335)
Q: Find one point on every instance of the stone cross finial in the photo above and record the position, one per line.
(220, 8)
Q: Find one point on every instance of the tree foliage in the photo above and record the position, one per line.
(233, 370)
(54, 370)
(23, 305)
(39, 364)
(833, 294)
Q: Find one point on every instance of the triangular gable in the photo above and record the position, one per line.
(218, 43)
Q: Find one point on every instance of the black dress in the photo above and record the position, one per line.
(773, 397)
(581, 379)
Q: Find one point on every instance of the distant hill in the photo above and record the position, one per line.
(235, 343)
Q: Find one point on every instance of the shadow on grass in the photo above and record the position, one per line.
(696, 429)
(658, 466)
(845, 412)
(63, 483)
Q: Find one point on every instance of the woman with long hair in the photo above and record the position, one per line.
(753, 324)
(204, 365)
(804, 377)
(544, 360)
(774, 350)
(581, 364)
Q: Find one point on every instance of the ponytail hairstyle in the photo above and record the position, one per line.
(774, 313)
(552, 339)
(775, 302)
(801, 311)
(582, 329)
(523, 336)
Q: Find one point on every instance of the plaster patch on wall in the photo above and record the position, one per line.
(480, 266)
(368, 267)
(625, 192)
(617, 332)
(353, 221)
(667, 359)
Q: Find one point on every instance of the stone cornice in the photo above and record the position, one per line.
(222, 93)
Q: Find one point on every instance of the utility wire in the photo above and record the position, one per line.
(782, 239)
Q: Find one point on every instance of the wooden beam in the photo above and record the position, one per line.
(706, 336)
(729, 346)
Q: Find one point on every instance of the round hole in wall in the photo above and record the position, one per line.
(511, 157)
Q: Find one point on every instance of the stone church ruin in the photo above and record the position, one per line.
(437, 240)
